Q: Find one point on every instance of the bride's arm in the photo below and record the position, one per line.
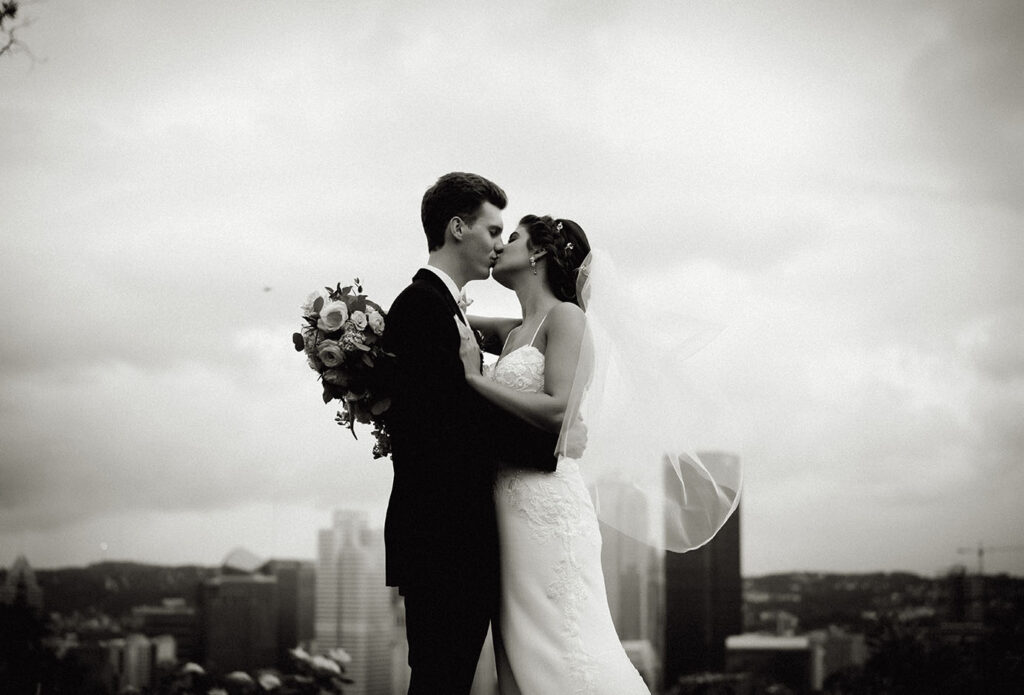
(544, 409)
(495, 330)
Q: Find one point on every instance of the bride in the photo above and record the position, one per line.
(555, 632)
(584, 364)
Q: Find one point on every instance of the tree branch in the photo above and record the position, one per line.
(9, 42)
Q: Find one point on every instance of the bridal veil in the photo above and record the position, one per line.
(635, 402)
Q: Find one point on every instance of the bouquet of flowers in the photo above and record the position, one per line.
(341, 340)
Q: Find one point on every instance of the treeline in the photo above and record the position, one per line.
(114, 588)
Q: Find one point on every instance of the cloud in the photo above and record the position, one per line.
(185, 438)
(834, 185)
(861, 397)
(995, 345)
(967, 94)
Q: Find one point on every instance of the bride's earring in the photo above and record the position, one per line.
(533, 264)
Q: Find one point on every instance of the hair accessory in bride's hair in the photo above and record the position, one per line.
(569, 246)
(558, 226)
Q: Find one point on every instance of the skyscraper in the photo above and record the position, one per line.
(138, 661)
(353, 605)
(703, 600)
(130, 661)
(634, 581)
(21, 585)
(296, 598)
(238, 616)
(173, 617)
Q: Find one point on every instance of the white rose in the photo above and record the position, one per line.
(332, 316)
(307, 307)
(375, 320)
(358, 319)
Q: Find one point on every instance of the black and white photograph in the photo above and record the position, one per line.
(539, 348)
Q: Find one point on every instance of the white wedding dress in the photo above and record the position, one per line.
(555, 632)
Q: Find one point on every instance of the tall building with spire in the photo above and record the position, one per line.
(353, 604)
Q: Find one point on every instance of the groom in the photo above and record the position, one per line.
(447, 441)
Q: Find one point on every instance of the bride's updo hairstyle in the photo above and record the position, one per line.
(567, 247)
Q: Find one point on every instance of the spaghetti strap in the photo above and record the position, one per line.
(538, 327)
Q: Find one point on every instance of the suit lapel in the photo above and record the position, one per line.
(438, 286)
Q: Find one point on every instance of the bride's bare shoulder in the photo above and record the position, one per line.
(567, 311)
(567, 317)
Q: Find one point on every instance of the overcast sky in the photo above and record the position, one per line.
(838, 184)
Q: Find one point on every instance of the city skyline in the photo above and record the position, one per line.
(354, 609)
(837, 185)
(798, 629)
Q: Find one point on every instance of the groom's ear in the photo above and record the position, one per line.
(456, 227)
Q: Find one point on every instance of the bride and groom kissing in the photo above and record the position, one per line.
(486, 524)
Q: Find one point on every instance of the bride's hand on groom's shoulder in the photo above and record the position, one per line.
(469, 349)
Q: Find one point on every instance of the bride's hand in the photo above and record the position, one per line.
(469, 350)
(576, 439)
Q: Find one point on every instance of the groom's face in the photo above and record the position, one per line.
(481, 242)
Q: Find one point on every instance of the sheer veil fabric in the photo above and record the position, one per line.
(636, 405)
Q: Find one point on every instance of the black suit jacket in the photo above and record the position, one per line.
(447, 442)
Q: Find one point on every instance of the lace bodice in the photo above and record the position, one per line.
(522, 369)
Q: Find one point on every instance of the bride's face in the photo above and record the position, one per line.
(515, 259)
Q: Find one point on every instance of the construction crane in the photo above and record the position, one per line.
(982, 549)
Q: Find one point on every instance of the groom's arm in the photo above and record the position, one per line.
(424, 368)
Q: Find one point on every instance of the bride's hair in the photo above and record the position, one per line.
(567, 247)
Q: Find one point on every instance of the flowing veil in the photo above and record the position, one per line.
(634, 401)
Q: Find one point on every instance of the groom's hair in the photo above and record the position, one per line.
(456, 195)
